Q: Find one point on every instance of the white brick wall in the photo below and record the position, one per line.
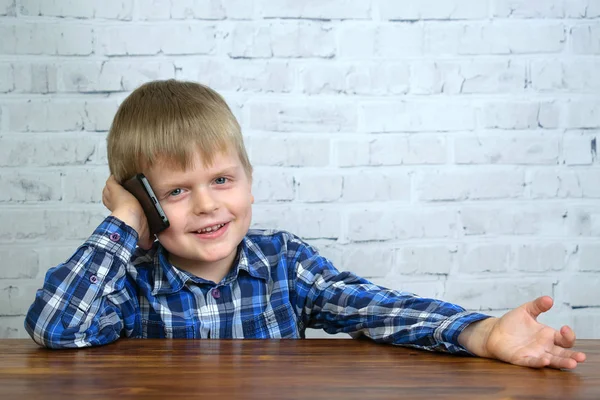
(442, 147)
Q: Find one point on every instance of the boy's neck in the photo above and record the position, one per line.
(214, 271)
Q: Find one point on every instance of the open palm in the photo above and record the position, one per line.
(518, 338)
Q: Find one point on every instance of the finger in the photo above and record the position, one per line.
(562, 362)
(565, 337)
(538, 306)
(565, 353)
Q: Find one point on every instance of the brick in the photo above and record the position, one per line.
(580, 290)
(367, 225)
(308, 115)
(319, 187)
(372, 185)
(491, 148)
(497, 38)
(352, 152)
(432, 9)
(497, 294)
(415, 116)
(580, 148)
(586, 324)
(407, 150)
(99, 114)
(22, 223)
(583, 220)
(24, 186)
(565, 184)
(13, 327)
(428, 260)
(356, 41)
(33, 150)
(477, 258)
(272, 185)
(7, 78)
(470, 185)
(516, 220)
(45, 38)
(18, 262)
(573, 76)
(367, 261)
(389, 41)
(315, 9)
(239, 75)
(35, 78)
(8, 8)
(73, 223)
(587, 257)
(52, 255)
(583, 114)
(168, 38)
(529, 9)
(111, 76)
(467, 77)
(306, 222)
(55, 115)
(110, 9)
(186, 9)
(282, 39)
(289, 151)
(520, 115)
(542, 257)
(585, 39)
(399, 41)
(16, 296)
(84, 185)
(355, 78)
(582, 8)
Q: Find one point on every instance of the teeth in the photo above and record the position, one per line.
(210, 228)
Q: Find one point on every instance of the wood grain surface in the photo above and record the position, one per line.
(278, 369)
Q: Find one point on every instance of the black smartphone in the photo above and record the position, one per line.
(141, 189)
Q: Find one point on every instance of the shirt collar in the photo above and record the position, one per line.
(168, 279)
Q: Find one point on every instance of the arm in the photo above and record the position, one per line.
(87, 301)
(343, 302)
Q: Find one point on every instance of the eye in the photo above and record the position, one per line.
(221, 180)
(175, 192)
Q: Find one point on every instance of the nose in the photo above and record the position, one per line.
(204, 201)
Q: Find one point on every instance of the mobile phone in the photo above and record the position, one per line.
(141, 189)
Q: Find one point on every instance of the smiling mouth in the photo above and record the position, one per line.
(211, 229)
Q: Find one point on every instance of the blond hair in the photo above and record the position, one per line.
(168, 121)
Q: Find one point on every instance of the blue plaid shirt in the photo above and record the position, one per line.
(278, 287)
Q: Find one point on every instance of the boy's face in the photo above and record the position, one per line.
(209, 210)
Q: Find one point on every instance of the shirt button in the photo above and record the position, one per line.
(93, 279)
(115, 237)
(216, 293)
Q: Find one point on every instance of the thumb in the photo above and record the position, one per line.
(538, 306)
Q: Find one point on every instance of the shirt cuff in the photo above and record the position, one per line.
(451, 328)
(116, 237)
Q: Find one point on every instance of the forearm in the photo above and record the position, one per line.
(474, 337)
(67, 309)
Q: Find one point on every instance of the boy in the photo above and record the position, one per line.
(209, 276)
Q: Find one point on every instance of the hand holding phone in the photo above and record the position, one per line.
(140, 188)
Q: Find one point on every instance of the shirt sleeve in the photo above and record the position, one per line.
(87, 301)
(343, 302)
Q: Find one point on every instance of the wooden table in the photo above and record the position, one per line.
(278, 369)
